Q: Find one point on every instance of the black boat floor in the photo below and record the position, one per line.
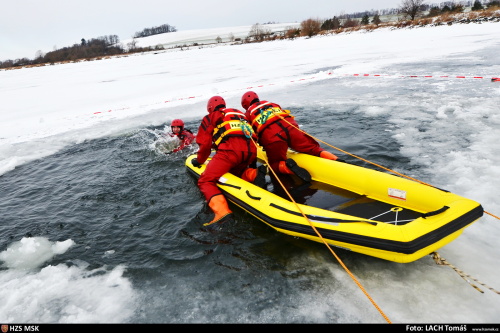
(338, 200)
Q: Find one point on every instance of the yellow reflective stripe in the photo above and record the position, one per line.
(234, 127)
(225, 123)
(266, 115)
(227, 132)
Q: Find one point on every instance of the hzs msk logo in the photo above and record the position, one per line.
(5, 328)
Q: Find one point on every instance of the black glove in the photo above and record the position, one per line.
(195, 163)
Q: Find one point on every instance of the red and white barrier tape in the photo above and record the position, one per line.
(493, 79)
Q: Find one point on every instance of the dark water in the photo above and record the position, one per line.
(122, 194)
(125, 203)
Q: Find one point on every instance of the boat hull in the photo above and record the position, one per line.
(361, 210)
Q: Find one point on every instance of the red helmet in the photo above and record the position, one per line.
(177, 122)
(248, 98)
(214, 103)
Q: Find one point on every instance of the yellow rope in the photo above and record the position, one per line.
(441, 261)
(323, 240)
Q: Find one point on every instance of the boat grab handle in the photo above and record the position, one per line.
(439, 211)
(251, 196)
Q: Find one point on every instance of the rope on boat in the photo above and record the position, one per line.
(437, 258)
(441, 261)
(498, 218)
(360, 158)
(323, 240)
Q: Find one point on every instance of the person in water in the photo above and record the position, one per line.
(277, 131)
(185, 136)
(227, 131)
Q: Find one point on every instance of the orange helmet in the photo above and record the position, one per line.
(215, 103)
(248, 98)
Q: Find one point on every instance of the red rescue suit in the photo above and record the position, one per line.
(276, 135)
(229, 133)
(186, 137)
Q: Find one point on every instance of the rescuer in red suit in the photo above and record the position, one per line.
(228, 131)
(185, 136)
(277, 131)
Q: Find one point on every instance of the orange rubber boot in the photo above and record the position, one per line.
(328, 155)
(218, 205)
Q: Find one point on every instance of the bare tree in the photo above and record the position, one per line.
(39, 54)
(132, 44)
(310, 27)
(350, 23)
(258, 33)
(291, 32)
(411, 8)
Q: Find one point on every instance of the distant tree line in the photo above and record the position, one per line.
(91, 48)
(109, 45)
(412, 8)
(95, 47)
(408, 9)
(391, 11)
(155, 31)
(101, 46)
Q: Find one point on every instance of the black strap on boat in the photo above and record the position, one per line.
(439, 211)
(251, 196)
(321, 218)
(229, 185)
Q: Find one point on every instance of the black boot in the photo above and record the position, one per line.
(298, 171)
(260, 179)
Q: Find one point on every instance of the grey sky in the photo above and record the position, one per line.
(27, 26)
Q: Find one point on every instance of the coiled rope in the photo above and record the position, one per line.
(322, 239)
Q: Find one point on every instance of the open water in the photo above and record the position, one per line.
(109, 230)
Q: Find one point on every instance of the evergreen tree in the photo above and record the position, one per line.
(331, 24)
(434, 11)
(445, 9)
(365, 20)
(493, 4)
(327, 25)
(477, 5)
(376, 19)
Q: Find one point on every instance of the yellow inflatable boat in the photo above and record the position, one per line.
(356, 208)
